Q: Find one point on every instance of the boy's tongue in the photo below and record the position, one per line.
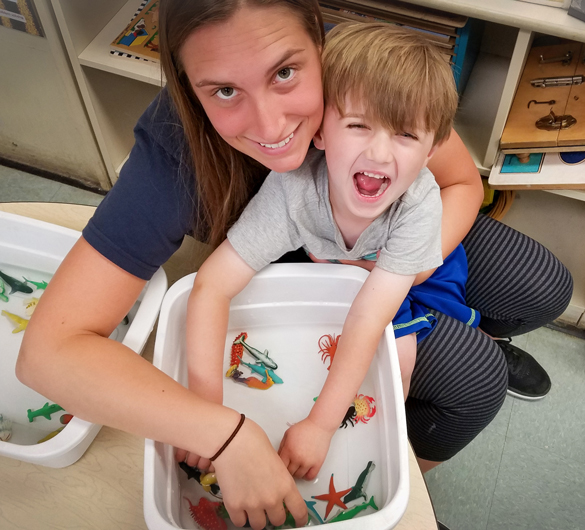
(368, 186)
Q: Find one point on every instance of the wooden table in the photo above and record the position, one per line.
(103, 489)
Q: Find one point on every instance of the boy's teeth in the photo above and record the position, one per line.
(280, 144)
(373, 175)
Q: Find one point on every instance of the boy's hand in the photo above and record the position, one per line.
(304, 447)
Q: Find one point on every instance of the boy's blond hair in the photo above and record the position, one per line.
(400, 77)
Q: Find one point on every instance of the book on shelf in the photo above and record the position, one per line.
(140, 37)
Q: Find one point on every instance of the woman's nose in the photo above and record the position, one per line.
(269, 120)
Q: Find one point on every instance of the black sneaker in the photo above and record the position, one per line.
(526, 378)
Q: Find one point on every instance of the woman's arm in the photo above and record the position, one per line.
(67, 357)
(461, 191)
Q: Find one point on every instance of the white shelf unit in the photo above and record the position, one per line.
(116, 90)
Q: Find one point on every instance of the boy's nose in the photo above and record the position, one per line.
(380, 148)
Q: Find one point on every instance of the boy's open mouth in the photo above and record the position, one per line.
(370, 184)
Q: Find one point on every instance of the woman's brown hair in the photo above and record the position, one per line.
(225, 177)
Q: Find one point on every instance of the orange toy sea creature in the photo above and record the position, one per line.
(328, 347)
(205, 514)
(365, 408)
(236, 356)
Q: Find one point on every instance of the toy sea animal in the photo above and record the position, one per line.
(333, 498)
(328, 347)
(365, 407)
(252, 382)
(313, 512)
(352, 512)
(264, 358)
(16, 285)
(50, 435)
(3, 296)
(194, 473)
(205, 514)
(5, 429)
(30, 305)
(237, 352)
(359, 490)
(264, 372)
(45, 411)
(21, 323)
(38, 285)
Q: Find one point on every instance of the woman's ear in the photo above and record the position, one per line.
(318, 141)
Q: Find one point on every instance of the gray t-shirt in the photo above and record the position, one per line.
(292, 210)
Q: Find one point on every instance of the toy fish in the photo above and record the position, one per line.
(264, 358)
(359, 490)
(50, 435)
(21, 323)
(16, 285)
(38, 285)
(205, 514)
(313, 512)
(3, 296)
(260, 369)
(45, 411)
(352, 512)
(5, 429)
(30, 305)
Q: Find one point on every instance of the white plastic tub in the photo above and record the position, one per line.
(286, 308)
(35, 249)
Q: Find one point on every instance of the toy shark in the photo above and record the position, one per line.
(16, 285)
(264, 358)
(21, 323)
(45, 411)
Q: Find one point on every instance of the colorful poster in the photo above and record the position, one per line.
(20, 15)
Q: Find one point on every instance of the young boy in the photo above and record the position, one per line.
(390, 100)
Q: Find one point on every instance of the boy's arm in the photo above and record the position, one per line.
(223, 275)
(305, 445)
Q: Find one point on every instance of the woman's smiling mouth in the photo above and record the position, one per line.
(279, 144)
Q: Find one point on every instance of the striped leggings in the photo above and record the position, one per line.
(460, 377)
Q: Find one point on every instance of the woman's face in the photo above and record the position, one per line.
(258, 77)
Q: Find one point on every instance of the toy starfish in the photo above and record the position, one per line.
(333, 497)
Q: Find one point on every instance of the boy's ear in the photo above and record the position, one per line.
(318, 140)
(432, 152)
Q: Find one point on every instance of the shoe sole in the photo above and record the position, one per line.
(515, 394)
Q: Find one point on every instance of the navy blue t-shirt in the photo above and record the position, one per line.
(144, 217)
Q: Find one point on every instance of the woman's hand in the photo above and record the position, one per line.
(363, 263)
(193, 460)
(304, 447)
(254, 482)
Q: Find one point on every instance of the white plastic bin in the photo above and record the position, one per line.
(35, 249)
(285, 309)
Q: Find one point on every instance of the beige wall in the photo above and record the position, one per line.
(42, 118)
(559, 224)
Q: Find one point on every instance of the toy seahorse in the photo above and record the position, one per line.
(38, 285)
(264, 358)
(21, 323)
(16, 285)
(237, 352)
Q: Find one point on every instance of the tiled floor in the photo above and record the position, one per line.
(526, 471)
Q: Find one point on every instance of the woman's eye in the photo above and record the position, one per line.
(284, 74)
(226, 92)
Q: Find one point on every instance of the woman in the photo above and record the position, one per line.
(243, 95)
